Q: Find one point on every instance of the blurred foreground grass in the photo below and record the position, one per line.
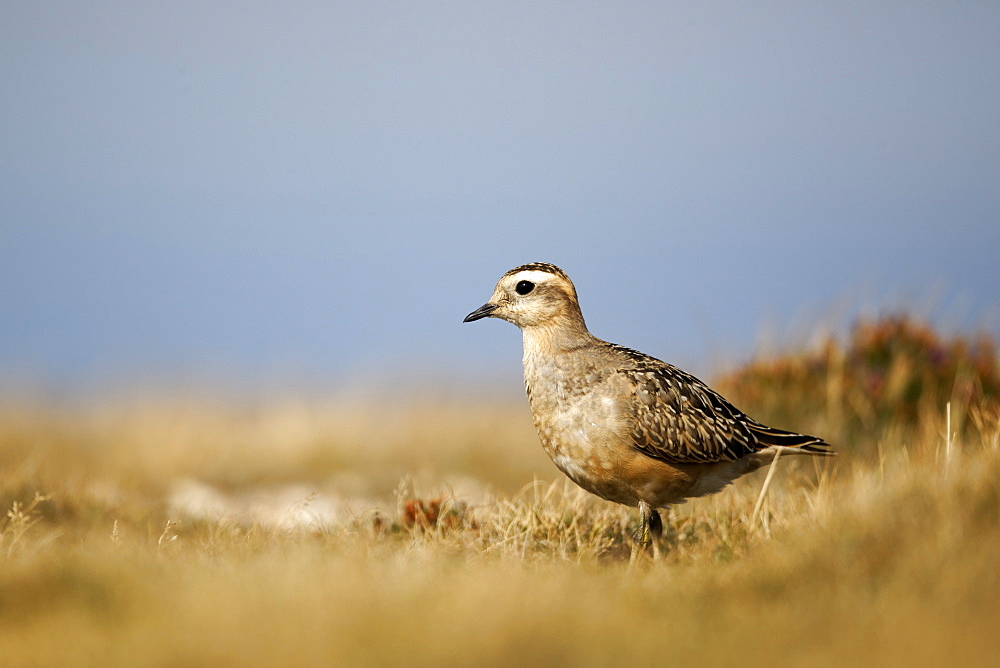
(178, 533)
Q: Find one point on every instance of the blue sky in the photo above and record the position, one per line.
(272, 194)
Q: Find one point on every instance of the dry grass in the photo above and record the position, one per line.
(179, 533)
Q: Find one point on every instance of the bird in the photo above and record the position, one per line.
(621, 424)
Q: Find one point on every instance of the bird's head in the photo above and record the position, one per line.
(532, 295)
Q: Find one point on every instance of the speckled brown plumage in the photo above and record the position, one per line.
(621, 424)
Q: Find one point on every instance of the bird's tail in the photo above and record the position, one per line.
(790, 442)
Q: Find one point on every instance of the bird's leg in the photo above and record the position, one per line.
(645, 514)
(650, 527)
(655, 531)
(655, 524)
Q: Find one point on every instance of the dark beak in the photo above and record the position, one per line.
(481, 312)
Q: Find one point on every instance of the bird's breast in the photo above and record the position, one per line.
(580, 421)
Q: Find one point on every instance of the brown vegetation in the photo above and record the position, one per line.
(166, 532)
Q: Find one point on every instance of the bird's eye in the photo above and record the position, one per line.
(524, 287)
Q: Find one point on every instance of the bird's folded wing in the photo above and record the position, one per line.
(678, 419)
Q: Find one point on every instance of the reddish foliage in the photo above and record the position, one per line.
(424, 514)
(894, 369)
(420, 513)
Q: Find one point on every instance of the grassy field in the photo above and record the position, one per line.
(435, 531)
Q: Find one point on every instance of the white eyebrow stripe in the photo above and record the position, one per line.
(533, 275)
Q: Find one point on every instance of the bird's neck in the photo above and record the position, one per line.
(562, 334)
(553, 358)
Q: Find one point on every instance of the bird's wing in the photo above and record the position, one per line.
(678, 419)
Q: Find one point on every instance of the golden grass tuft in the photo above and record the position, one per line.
(173, 532)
